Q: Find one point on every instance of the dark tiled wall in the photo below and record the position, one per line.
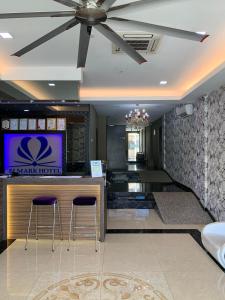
(116, 147)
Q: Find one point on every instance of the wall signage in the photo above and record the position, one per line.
(33, 154)
(96, 168)
(34, 124)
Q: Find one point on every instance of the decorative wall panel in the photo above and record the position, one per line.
(194, 151)
(184, 148)
(216, 154)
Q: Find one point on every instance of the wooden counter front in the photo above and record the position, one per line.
(18, 193)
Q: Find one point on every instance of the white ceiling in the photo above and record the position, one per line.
(183, 63)
(63, 90)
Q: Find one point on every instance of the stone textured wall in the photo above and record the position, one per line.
(216, 154)
(194, 151)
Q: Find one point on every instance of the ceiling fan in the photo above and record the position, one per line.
(90, 13)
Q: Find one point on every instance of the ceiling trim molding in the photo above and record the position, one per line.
(43, 73)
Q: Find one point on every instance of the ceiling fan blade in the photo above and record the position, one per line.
(116, 39)
(69, 3)
(85, 32)
(47, 37)
(105, 4)
(37, 14)
(128, 7)
(179, 33)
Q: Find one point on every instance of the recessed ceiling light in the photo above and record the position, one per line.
(5, 35)
(111, 125)
(201, 32)
(51, 84)
(163, 82)
(26, 110)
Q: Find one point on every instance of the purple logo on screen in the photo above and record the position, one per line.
(38, 159)
(33, 153)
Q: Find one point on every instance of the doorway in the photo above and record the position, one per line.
(133, 145)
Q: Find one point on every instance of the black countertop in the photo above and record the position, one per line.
(138, 187)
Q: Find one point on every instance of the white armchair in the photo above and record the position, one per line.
(213, 239)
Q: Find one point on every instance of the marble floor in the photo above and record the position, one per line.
(142, 219)
(127, 266)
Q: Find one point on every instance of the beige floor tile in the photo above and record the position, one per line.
(17, 284)
(194, 260)
(197, 285)
(174, 240)
(142, 219)
(171, 264)
(157, 280)
(131, 256)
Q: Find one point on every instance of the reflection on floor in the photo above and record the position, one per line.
(148, 189)
(134, 189)
(157, 266)
(142, 219)
(136, 194)
(127, 266)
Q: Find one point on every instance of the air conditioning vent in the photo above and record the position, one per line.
(184, 111)
(141, 42)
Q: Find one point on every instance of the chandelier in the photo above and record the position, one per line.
(137, 119)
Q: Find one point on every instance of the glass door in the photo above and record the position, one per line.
(133, 145)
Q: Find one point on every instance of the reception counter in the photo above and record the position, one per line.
(17, 193)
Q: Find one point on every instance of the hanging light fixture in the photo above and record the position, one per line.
(137, 119)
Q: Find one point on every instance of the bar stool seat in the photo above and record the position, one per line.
(83, 201)
(44, 200)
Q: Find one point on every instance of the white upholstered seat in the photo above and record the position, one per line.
(213, 239)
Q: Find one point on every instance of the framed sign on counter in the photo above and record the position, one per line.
(96, 168)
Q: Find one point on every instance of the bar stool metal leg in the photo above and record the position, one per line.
(74, 221)
(96, 228)
(71, 220)
(60, 224)
(36, 227)
(53, 230)
(83, 201)
(28, 228)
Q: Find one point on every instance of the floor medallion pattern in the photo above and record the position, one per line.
(108, 286)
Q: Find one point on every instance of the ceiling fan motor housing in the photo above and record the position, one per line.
(91, 16)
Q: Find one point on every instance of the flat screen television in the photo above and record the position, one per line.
(33, 153)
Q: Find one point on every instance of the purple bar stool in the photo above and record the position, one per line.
(44, 201)
(83, 201)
